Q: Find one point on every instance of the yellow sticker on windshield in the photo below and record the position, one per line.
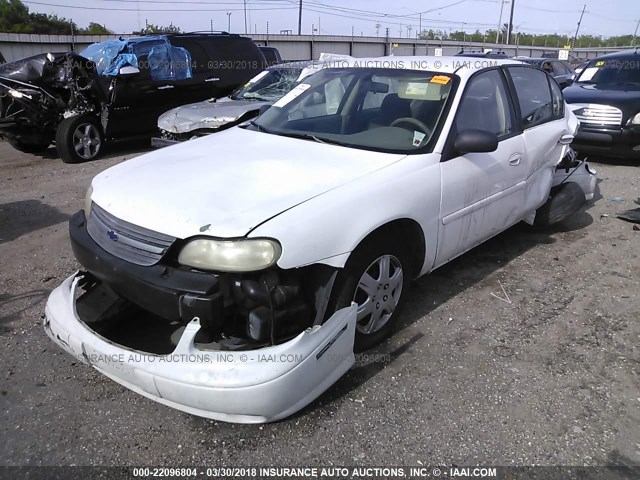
(600, 63)
(441, 79)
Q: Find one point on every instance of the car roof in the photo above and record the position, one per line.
(622, 53)
(541, 59)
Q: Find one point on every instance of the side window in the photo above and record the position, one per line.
(485, 105)
(534, 95)
(557, 99)
(199, 58)
(558, 68)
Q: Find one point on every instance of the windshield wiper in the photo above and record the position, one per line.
(251, 97)
(309, 136)
(261, 128)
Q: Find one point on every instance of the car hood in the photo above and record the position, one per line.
(46, 68)
(208, 114)
(615, 95)
(225, 185)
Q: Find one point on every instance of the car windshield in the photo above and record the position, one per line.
(269, 85)
(615, 71)
(387, 110)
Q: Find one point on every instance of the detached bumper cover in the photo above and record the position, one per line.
(255, 386)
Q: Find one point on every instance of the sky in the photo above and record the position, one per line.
(360, 17)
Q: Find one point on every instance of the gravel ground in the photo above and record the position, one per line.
(550, 377)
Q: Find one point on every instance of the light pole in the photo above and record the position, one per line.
(502, 2)
(229, 21)
(517, 29)
(633, 41)
(245, 16)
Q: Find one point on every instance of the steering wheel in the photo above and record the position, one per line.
(412, 121)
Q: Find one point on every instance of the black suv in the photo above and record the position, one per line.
(606, 100)
(116, 89)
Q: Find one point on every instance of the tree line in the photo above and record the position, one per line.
(527, 39)
(15, 17)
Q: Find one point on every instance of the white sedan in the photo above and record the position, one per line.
(233, 276)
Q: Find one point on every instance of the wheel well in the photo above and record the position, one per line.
(403, 231)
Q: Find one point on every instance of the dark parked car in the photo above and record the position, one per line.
(560, 70)
(116, 89)
(271, 56)
(606, 100)
(475, 54)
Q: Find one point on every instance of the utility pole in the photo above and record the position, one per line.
(513, 4)
(633, 40)
(500, 21)
(420, 25)
(575, 37)
(386, 42)
(229, 22)
(245, 16)
(300, 19)
(212, 25)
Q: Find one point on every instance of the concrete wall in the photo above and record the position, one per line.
(292, 47)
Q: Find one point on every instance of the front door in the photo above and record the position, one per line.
(482, 193)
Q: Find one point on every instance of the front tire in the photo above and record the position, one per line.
(79, 139)
(376, 277)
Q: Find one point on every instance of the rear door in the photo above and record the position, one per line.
(482, 193)
(541, 115)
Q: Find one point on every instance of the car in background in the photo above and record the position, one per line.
(479, 54)
(213, 115)
(560, 70)
(606, 99)
(116, 89)
(271, 56)
(295, 237)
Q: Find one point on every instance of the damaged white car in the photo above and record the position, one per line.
(236, 283)
(216, 114)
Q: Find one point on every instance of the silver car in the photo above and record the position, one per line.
(203, 118)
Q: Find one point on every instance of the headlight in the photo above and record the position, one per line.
(87, 201)
(245, 255)
(635, 120)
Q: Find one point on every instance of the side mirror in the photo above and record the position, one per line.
(476, 141)
(128, 70)
(263, 108)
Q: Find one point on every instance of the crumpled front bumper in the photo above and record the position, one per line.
(254, 386)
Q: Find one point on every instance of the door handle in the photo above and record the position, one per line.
(165, 87)
(566, 139)
(513, 161)
(212, 79)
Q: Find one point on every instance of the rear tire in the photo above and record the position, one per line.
(565, 200)
(376, 277)
(79, 139)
